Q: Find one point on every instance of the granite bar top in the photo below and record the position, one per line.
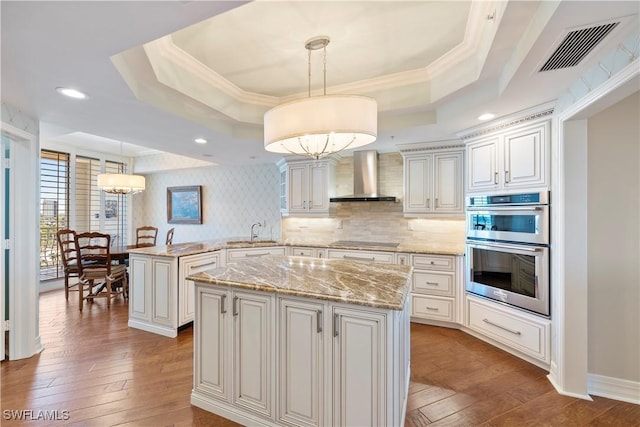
(369, 284)
(193, 248)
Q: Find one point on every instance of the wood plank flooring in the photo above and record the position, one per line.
(103, 373)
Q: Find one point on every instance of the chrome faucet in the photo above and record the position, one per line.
(254, 235)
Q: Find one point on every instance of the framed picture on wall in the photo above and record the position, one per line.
(184, 205)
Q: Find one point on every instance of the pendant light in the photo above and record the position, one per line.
(318, 126)
(120, 183)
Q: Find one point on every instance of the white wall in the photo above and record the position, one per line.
(613, 234)
(234, 197)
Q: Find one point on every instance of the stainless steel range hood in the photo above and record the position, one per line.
(365, 179)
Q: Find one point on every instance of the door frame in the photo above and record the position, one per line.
(24, 336)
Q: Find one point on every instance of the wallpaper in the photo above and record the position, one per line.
(233, 198)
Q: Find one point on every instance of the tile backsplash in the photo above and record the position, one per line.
(372, 221)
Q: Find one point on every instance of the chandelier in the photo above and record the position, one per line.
(120, 183)
(318, 126)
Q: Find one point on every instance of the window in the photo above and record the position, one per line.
(54, 208)
(70, 198)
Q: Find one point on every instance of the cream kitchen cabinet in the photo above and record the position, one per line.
(234, 358)
(337, 364)
(434, 288)
(433, 179)
(308, 187)
(511, 158)
(308, 251)
(301, 343)
(186, 266)
(235, 255)
(360, 255)
(160, 297)
(512, 329)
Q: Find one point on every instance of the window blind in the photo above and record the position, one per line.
(54, 210)
(87, 194)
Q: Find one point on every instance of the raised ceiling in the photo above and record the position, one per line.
(162, 73)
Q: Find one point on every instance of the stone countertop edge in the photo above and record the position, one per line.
(384, 286)
(194, 248)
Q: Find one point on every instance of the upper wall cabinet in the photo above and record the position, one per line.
(433, 178)
(512, 157)
(306, 187)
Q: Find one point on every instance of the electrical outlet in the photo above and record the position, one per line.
(264, 223)
(409, 226)
(339, 224)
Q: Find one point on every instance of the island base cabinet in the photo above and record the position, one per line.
(358, 368)
(253, 352)
(336, 365)
(212, 341)
(233, 359)
(301, 368)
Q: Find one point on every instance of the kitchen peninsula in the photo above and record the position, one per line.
(302, 341)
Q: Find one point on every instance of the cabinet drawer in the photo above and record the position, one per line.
(518, 331)
(432, 308)
(384, 257)
(302, 252)
(433, 262)
(234, 255)
(433, 283)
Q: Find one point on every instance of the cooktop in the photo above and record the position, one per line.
(359, 243)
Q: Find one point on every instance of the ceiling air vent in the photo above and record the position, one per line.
(576, 45)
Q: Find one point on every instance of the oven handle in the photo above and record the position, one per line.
(487, 245)
(505, 208)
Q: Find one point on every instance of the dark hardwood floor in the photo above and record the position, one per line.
(96, 371)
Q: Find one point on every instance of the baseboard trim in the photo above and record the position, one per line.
(614, 388)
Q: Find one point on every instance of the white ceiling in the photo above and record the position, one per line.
(161, 73)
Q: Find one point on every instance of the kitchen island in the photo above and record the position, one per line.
(302, 341)
(161, 299)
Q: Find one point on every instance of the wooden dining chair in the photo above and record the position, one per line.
(98, 276)
(69, 256)
(146, 236)
(169, 239)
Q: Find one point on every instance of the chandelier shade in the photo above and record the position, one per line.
(116, 183)
(318, 126)
(321, 125)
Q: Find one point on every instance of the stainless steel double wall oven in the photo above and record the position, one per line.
(508, 249)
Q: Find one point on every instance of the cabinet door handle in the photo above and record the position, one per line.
(235, 306)
(304, 205)
(320, 255)
(255, 255)
(495, 178)
(310, 204)
(359, 258)
(502, 327)
(336, 325)
(432, 308)
(428, 203)
(433, 283)
(506, 176)
(435, 205)
(320, 319)
(223, 303)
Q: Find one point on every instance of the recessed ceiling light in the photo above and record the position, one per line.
(200, 140)
(486, 116)
(71, 93)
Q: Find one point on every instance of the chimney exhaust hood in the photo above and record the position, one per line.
(365, 179)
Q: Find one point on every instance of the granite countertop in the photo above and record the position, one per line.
(369, 284)
(193, 248)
